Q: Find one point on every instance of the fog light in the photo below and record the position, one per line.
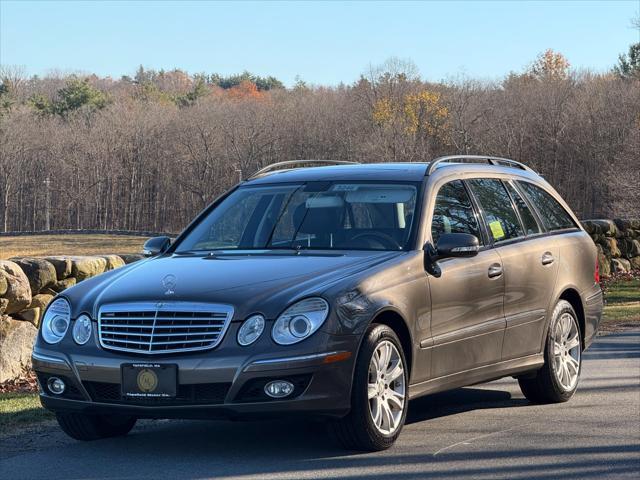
(55, 386)
(278, 389)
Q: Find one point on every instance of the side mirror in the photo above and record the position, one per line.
(155, 246)
(449, 245)
(457, 245)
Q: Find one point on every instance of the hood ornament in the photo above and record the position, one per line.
(169, 283)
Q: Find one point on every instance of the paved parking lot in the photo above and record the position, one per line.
(487, 431)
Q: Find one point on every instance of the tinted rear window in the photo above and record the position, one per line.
(528, 220)
(501, 218)
(553, 215)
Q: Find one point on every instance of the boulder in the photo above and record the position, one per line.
(87, 267)
(601, 226)
(40, 273)
(635, 263)
(40, 301)
(62, 266)
(61, 285)
(4, 284)
(131, 257)
(620, 265)
(611, 247)
(604, 264)
(622, 224)
(18, 289)
(16, 342)
(31, 315)
(113, 262)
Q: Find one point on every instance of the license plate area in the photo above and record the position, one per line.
(149, 380)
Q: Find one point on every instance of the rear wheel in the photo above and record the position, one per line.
(557, 380)
(93, 427)
(379, 394)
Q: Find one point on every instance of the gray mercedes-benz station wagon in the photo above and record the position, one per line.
(342, 291)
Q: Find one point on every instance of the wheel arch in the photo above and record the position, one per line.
(396, 322)
(572, 296)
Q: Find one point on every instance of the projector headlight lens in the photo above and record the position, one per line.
(56, 321)
(300, 321)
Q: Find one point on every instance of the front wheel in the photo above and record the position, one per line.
(379, 394)
(93, 427)
(557, 380)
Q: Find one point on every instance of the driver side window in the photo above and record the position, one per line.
(453, 212)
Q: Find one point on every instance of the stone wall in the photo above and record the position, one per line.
(618, 243)
(27, 285)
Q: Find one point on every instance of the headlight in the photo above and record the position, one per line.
(300, 320)
(82, 329)
(56, 321)
(251, 330)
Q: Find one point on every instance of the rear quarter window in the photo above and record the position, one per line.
(552, 214)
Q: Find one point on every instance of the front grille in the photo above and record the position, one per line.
(163, 327)
(195, 394)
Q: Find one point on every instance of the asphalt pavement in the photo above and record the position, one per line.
(485, 431)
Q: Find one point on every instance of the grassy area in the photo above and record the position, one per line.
(89, 244)
(623, 304)
(21, 409)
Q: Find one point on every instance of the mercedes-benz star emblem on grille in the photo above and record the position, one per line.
(169, 283)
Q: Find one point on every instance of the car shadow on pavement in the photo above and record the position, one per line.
(458, 401)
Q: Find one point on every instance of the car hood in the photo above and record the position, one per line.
(252, 283)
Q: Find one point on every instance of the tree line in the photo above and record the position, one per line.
(148, 152)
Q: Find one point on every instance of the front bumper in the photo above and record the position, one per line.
(224, 382)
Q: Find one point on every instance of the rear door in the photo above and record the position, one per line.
(530, 262)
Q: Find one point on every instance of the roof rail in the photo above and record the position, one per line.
(278, 165)
(485, 158)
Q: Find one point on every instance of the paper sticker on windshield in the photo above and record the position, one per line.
(345, 188)
(496, 229)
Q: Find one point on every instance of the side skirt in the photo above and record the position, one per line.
(477, 375)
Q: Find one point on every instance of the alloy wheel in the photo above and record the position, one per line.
(566, 351)
(386, 388)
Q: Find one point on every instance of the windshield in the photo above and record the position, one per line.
(314, 215)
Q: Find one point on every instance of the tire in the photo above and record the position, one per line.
(551, 384)
(358, 430)
(94, 427)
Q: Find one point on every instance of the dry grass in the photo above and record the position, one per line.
(19, 410)
(42, 245)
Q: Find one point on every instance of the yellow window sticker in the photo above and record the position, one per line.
(496, 229)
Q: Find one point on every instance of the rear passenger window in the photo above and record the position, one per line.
(528, 220)
(554, 216)
(501, 218)
(453, 212)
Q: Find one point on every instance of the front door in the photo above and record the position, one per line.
(467, 319)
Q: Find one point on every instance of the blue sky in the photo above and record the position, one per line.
(323, 42)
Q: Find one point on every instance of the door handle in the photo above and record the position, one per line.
(495, 270)
(547, 258)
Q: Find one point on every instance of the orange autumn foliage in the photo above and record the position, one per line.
(245, 90)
